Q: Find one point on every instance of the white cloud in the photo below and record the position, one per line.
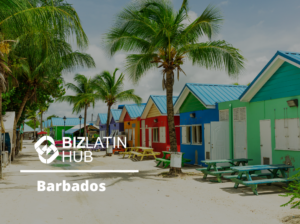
(223, 3)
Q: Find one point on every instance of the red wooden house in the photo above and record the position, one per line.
(154, 125)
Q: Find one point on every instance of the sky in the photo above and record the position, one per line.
(257, 28)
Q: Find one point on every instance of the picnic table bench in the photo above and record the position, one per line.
(217, 171)
(166, 161)
(246, 173)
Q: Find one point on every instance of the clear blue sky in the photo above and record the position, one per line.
(258, 28)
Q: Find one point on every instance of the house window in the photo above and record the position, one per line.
(186, 135)
(155, 134)
(197, 134)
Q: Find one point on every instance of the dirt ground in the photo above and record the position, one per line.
(143, 197)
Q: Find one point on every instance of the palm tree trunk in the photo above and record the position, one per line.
(1, 129)
(170, 111)
(85, 115)
(107, 125)
(107, 121)
(41, 125)
(34, 139)
(12, 153)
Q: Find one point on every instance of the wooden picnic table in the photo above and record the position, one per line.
(166, 160)
(128, 150)
(214, 170)
(145, 152)
(246, 173)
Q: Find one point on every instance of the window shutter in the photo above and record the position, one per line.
(130, 134)
(162, 134)
(236, 116)
(224, 115)
(183, 135)
(242, 113)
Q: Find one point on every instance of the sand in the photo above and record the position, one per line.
(143, 197)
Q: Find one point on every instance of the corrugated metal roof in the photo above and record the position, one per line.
(293, 56)
(103, 118)
(70, 121)
(161, 102)
(116, 113)
(135, 110)
(210, 94)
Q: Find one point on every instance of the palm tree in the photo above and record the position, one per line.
(31, 115)
(84, 95)
(110, 90)
(158, 36)
(42, 110)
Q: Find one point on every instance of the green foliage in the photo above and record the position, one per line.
(110, 88)
(294, 192)
(31, 124)
(48, 118)
(160, 36)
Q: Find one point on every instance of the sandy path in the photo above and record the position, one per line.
(131, 198)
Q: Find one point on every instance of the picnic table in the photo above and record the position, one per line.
(246, 173)
(166, 160)
(145, 152)
(127, 151)
(214, 170)
(135, 152)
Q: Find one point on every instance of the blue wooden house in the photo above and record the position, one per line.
(115, 126)
(197, 105)
(101, 122)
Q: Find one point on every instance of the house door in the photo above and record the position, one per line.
(150, 137)
(240, 133)
(219, 140)
(207, 140)
(265, 142)
(133, 137)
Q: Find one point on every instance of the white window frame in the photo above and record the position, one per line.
(155, 135)
(197, 131)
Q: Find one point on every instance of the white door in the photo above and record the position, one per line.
(133, 137)
(207, 140)
(219, 140)
(265, 142)
(240, 133)
(150, 137)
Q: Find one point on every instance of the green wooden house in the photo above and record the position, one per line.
(264, 122)
(58, 126)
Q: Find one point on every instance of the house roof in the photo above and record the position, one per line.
(27, 128)
(268, 71)
(209, 94)
(78, 127)
(116, 113)
(133, 110)
(8, 121)
(103, 118)
(160, 102)
(70, 121)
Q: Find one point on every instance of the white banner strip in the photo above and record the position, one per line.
(79, 171)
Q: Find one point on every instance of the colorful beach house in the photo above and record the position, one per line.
(264, 122)
(115, 126)
(198, 108)
(101, 122)
(154, 130)
(131, 116)
(58, 126)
